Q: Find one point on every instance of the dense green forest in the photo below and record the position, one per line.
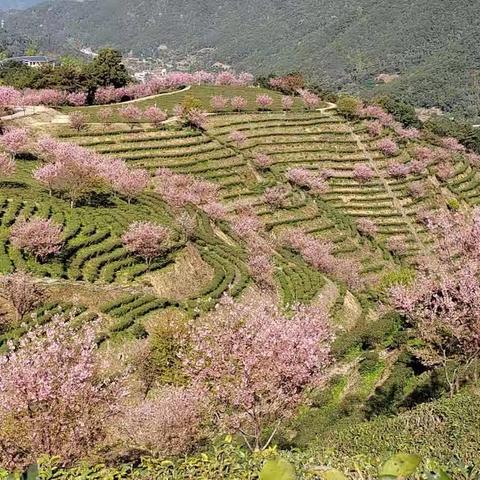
(431, 45)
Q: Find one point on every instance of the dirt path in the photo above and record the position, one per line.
(396, 201)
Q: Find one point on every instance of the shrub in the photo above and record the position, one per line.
(348, 106)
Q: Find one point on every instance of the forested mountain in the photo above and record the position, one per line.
(431, 44)
(17, 4)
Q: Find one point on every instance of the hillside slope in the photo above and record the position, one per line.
(341, 44)
(17, 4)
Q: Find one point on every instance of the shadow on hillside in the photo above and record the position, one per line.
(12, 184)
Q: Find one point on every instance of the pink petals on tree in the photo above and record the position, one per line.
(146, 239)
(255, 363)
(308, 179)
(37, 236)
(52, 396)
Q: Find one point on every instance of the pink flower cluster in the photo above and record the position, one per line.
(388, 147)
(7, 165)
(398, 169)
(38, 236)
(306, 178)
(146, 239)
(179, 190)
(263, 161)
(367, 227)
(319, 254)
(377, 112)
(14, 140)
(255, 363)
(363, 173)
(105, 95)
(310, 100)
(52, 396)
(76, 172)
(238, 138)
(264, 102)
(170, 423)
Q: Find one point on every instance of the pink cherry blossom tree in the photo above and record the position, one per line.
(367, 227)
(129, 182)
(169, 423)
(14, 140)
(256, 364)
(219, 103)
(146, 239)
(9, 97)
(48, 176)
(22, 292)
(197, 118)
(215, 210)
(155, 116)
(407, 134)
(52, 398)
(179, 190)
(276, 197)
(37, 236)
(307, 179)
(374, 128)
(7, 165)
(105, 114)
(263, 161)
(264, 102)
(310, 100)
(246, 224)
(417, 189)
(388, 147)
(363, 173)
(73, 171)
(443, 302)
(245, 79)
(319, 254)
(131, 114)
(424, 154)
(397, 169)
(262, 269)
(77, 99)
(239, 104)
(445, 171)
(287, 103)
(238, 138)
(78, 121)
(452, 144)
(397, 246)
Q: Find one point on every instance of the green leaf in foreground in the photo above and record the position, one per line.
(278, 469)
(333, 475)
(400, 465)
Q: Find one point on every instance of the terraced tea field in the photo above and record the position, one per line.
(94, 257)
(202, 93)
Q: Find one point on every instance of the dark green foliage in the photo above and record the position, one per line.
(368, 363)
(18, 75)
(448, 427)
(462, 131)
(107, 69)
(408, 385)
(402, 111)
(348, 106)
(431, 45)
(369, 335)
